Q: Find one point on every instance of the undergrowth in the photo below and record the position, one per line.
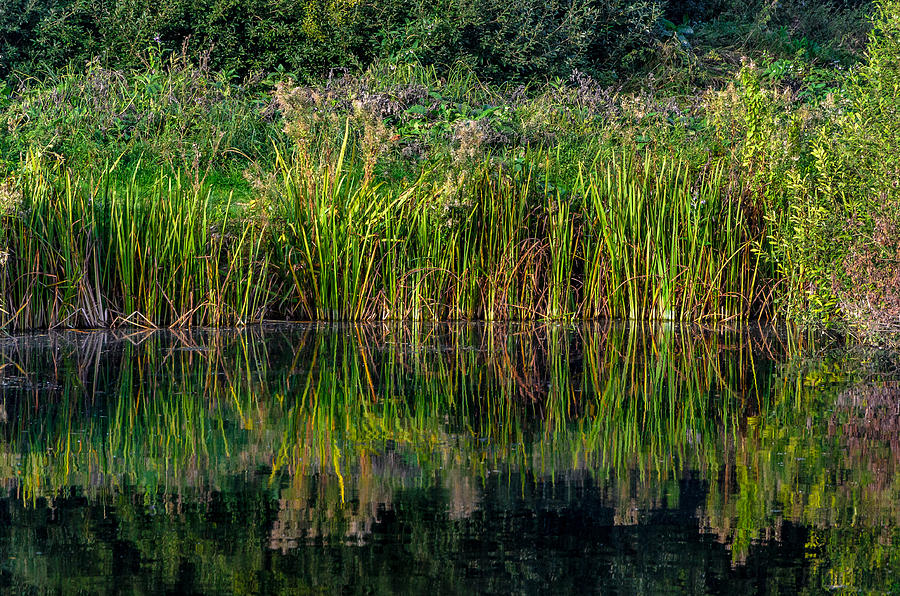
(726, 182)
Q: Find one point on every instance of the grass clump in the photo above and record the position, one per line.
(108, 251)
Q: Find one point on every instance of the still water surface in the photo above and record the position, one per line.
(446, 459)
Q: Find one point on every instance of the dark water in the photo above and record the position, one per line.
(446, 459)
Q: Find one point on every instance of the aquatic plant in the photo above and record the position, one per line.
(108, 251)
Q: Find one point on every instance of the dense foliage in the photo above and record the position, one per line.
(580, 159)
(502, 39)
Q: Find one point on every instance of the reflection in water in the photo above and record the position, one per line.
(444, 457)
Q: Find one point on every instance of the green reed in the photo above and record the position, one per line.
(668, 245)
(633, 238)
(109, 251)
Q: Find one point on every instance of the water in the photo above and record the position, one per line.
(446, 459)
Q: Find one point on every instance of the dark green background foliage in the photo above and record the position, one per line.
(506, 39)
(520, 39)
(502, 39)
(239, 35)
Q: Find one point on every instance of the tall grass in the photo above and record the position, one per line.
(631, 238)
(108, 251)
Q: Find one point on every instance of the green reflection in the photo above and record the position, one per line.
(298, 457)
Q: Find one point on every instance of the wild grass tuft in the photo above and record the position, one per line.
(108, 251)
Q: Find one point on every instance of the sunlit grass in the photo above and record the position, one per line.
(110, 251)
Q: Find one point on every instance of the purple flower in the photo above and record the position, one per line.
(157, 39)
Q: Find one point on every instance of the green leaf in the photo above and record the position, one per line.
(417, 109)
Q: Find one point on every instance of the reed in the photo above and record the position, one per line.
(633, 238)
(111, 251)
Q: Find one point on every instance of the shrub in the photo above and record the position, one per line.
(867, 165)
(503, 39)
(837, 241)
(239, 35)
(523, 39)
(20, 22)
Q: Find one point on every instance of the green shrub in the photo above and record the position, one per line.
(238, 35)
(523, 39)
(20, 22)
(504, 40)
(867, 167)
(835, 215)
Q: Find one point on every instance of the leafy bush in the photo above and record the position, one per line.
(504, 39)
(865, 166)
(20, 21)
(522, 39)
(239, 35)
(835, 198)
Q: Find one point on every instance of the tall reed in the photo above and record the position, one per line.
(111, 250)
(633, 238)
